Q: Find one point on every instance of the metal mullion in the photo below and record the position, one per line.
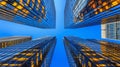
(39, 4)
(16, 8)
(21, 10)
(36, 5)
(115, 29)
(5, 12)
(75, 57)
(31, 8)
(13, 12)
(17, 56)
(39, 8)
(118, 30)
(15, 61)
(11, 60)
(35, 11)
(21, 57)
(26, 9)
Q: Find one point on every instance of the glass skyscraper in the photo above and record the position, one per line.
(34, 53)
(29, 12)
(83, 13)
(91, 52)
(79, 42)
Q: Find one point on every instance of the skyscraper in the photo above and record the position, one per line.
(38, 13)
(91, 52)
(10, 41)
(35, 53)
(90, 12)
(68, 15)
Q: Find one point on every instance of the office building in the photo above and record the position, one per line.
(35, 13)
(111, 27)
(68, 15)
(91, 52)
(10, 41)
(35, 53)
(90, 12)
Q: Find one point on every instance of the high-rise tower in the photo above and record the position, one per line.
(92, 52)
(38, 13)
(35, 53)
(13, 40)
(83, 13)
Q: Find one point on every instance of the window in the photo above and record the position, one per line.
(113, 30)
(111, 27)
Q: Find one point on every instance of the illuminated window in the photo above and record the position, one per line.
(101, 10)
(114, 3)
(14, 4)
(104, 3)
(3, 3)
(19, 7)
(96, 12)
(107, 7)
(94, 5)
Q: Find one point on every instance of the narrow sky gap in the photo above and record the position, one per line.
(59, 57)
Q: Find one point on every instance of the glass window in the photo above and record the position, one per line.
(113, 30)
(118, 30)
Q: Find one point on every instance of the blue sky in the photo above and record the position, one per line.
(59, 57)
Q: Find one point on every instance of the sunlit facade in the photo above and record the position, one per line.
(29, 12)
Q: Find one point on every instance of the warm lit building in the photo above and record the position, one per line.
(79, 5)
(111, 50)
(10, 41)
(92, 52)
(35, 53)
(29, 12)
(90, 12)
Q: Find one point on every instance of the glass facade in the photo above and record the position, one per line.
(113, 30)
(91, 52)
(80, 4)
(68, 13)
(10, 41)
(96, 6)
(90, 12)
(111, 27)
(29, 54)
(110, 50)
(29, 12)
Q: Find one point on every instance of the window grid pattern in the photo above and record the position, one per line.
(95, 7)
